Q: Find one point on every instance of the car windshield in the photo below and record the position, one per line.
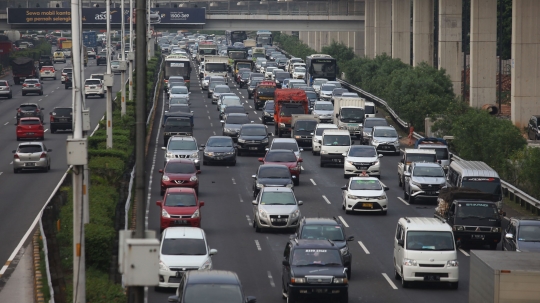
(280, 157)
(319, 82)
(222, 89)
(231, 101)
(178, 122)
(182, 246)
(328, 87)
(375, 122)
(314, 257)
(305, 126)
(299, 70)
(219, 142)
(322, 232)
(31, 81)
(245, 75)
(62, 112)
(180, 168)
(182, 145)
(282, 75)
(176, 83)
(442, 153)
(269, 106)
(237, 120)
(180, 199)
(386, 133)
(421, 158)
(285, 145)
(430, 240)
(420, 171)
(529, 233)
(311, 95)
(361, 184)
(274, 172)
(487, 185)
(178, 101)
(93, 82)
(28, 149)
(212, 293)
(362, 152)
(289, 109)
(253, 131)
(30, 122)
(277, 198)
(179, 90)
(336, 140)
(254, 83)
(477, 210)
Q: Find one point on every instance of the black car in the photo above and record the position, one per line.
(268, 112)
(533, 129)
(61, 118)
(219, 149)
(101, 58)
(368, 127)
(232, 109)
(209, 286)
(327, 229)
(253, 138)
(176, 126)
(26, 110)
(232, 123)
(68, 83)
(337, 92)
(313, 268)
(243, 79)
(522, 234)
(274, 175)
(280, 76)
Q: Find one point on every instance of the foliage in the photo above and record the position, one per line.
(293, 45)
(341, 52)
(99, 289)
(98, 245)
(110, 168)
(526, 163)
(44, 48)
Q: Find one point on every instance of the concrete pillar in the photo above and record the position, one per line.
(317, 44)
(324, 40)
(422, 31)
(369, 29)
(383, 27)
(525, 60)
(343, 37)
(312, 39)
(450, 55)
(333, 36)
(401, 30)
(358, 42)
(483, 52)
(303, 36)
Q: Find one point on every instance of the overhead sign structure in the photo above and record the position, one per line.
(56, 16)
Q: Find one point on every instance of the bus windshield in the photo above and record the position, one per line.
(323, 68)
(177, 69)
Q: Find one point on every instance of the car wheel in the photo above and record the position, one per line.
(384, 212)
(454, 285)
(411, 198)
(321, 163)
(283, 291)
(345, 176)
(405, 284)
(23, 94)
(349, 272)
(296, 181)
(10, 96)
(18, 139)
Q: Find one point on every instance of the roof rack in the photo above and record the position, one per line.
(408, 220)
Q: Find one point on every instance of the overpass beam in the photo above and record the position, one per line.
(383, 27)
(450, 52)
(483, 52)
(369, 28)
(423, 32)
(525, 60)
(401, 30)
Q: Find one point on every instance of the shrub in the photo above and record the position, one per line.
(98, 243)
(110, 168)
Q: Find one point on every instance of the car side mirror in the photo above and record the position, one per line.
(504, 214)
(300, 202)
(320, 141)
(159, 203)
(386, 188)
(175, 299)
(189, 93)
(285, 263)
(261, 160)
(254, 176)
(254, 202)
(344, 187)
(381, 155)
(161, 171)
(198, 172)
(201, 203)
(400, 243)
(300, 160)
(163, 148)
(407, 174)
(509, 236)
(212, 252)
(350, 238)
(399, 137)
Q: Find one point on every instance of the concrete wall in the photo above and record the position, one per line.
(423, 31)
(369, 32)
(401, 30)
(383, 27)
(450, 53)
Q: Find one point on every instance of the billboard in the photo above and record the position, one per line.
(56, 16)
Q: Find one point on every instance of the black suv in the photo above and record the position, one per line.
(252, 138)
(268, 112)
(522, 234)
(327, 229)
(61, 118)
(313, 268)
(29, 110)
(68, 83)
(101, 57)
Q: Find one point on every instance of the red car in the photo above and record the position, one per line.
(180, 207)
(287, 158)
(179, 173)
(30, 128)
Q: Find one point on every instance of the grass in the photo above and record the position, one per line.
(516, 207)
(43, 269)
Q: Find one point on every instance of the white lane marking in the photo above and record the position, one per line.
(241, 200)
(326, 199)
(45, 97)
(10, 162)
(51, 92)
(254, 111)
(464, 252)
(206, 105)
(313, 182)
(389, 281)
(260, 118)
(211, 124)
(40, 99)
(250, 106)
(1, 172)
(363, 247)
(401, 199)
(46, 130)
(6, 123)
(214, 133)
(271, 279)
(208, 117)
(343, 221)
(249, 220)
(301, 167)
(384, 185)
(207, 112)
(258, 245)
(233, 181)
(58, 87)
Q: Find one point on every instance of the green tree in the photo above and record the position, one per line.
(341, 53)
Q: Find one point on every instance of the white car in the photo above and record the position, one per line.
(385, 139)
(182, 249)
(317, 82)
(299, 73)
(362, 158)
(94, 87)
(115, 67)
(205, 82)
(325, 93)
(317, 136)
(64, 73)
(91, 53)
(364, 194)
(276, 208)
(47, 72)
(179, 91)
(286, 143)
(268, 72)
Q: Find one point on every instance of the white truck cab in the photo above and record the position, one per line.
(317, 136)
(411, 155)
(334, 144)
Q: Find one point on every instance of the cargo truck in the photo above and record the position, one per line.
(504, 276)
(206, 50)
(263, 92)
(258, 52)
(250, 43)
(23, 68)
(303, 127)
(349, 114)
(216, 66)
(90, 39)
(241, 63)
(288, 102)
(45, 60)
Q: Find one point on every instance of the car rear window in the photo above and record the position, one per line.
(31, 81)
(62, 111)
(92, 82)
(3, 83)
(30, 122)
(28, 107)
(28, 149)
(67, 70)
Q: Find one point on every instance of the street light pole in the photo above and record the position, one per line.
(131, 50)
(123, 47)
(109, 83)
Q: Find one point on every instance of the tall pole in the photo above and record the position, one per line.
(131, 49)
(79, 274)
(123, 48)
(109, 88)
(501, 10)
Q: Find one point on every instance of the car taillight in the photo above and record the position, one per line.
(24, 84)
(43, 155)
(99, 85)
(86, 86)
(52, 118)
(38, 85)
(15, 156)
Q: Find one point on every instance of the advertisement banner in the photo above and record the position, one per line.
(56, 16)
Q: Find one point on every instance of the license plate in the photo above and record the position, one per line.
(30, 134)
(253, 148)
(180, 222)
(30, 164)
(432, 278)
(92, 87)
(368, 205)
(481, 237)
(430, 192)
(320, 291)
(30, 86)
(279, 220)
(363, 167)
(63, 120)
(352, 125)
(336, 160)
(218, 158)
(385, 147)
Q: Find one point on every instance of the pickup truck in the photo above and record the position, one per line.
(45, 60)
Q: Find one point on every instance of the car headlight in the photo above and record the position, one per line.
(458, 228)
(194, 155)
(344, 250)
(295, 214)
(383, 197)
(452, 263)
(375, 141)
(351, 197)
(168, 155)
(207, 264)
(324, 152)
(265, 140)
(298, 280)
(290, 185)
(209, 154)
(163, 266)
(228, 130)
(259, 185)
(409, 262)
(267, 114)
(193, 178)
(262, 213)
(165, 178)
(241, 140)
(196, 214)
(340, 281)
(496, 229)
(416, 183)
(396, 142)
(165, 214)
(281, 124)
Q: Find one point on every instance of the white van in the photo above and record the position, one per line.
(424, 250)
(334, 144)
(317, 136)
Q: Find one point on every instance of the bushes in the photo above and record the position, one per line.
(44, 48)
(293, 45)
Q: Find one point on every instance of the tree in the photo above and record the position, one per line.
(340, 52)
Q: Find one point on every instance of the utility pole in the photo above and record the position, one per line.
(108, 79)
(131, 53)
(123, 47)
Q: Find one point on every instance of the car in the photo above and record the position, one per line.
(226, 102)
(29, 110)
(180, 207)
(210, 286)
(91, 53)
(182, 249)
(174, 81)
(364, 193)
(232, 109)
(253, 138)
(325, 92)
(242, 78)
(59, 56)
(30, 128)
(219, 149)
(369, 123)
(183, 148)
(273, 175)
(252, 86)
(285, 157)
(362, 158)
(32, 86)
(279, 77)
(317, 136)
(338, 92)
(423, 180)
(299, 72)
(286, 143)
(317, 82)
(183, 108)
(179, 91)
(179, 100)
(329, 229)
(115, 67)
(31, 156)
(94, 87)
(533, 128)
(5, 89)
(64, 73)
(233, 122)
(68, 83)
(313, 269)
(61, 118)
(218, 90)
(205, 82)
(522, 234)
(47, 72)
(101, 57)
(276, 208)
(268, 112)
(268, 72)
(385, 139)
(179, 173)
(323, 110)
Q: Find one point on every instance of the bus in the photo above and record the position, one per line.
(235, 36)
(177, 65)
(320, 66)
(264, 38)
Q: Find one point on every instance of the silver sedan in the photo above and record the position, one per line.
(31, 155)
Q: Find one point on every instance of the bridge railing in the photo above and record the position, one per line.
(296, 8)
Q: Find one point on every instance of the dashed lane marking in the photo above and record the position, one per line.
(214, 133)
(363, 247)
(211, 124)
(313, 182)
(343, 221)
(250, 106)
(464, 252)
(6, 123)
(233, 181)
(271, 279)
(389, 281)
(249, 220)
(401, 199)
(240, 196)
(46, 130)
(260, 118)
(301, 167)
(258, 245)
(326, 199)
(208, 117)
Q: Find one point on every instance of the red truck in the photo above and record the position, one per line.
(263, 92)
(288, 102)
(23, 68)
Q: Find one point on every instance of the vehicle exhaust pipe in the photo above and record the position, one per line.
(491, 109)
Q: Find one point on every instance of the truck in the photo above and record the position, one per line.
(504, 276)
(441, 148)
(177, 126)
(349, 114)
(65, 44)
(23, 68)
(250, 43)
(206, 49)
(241, 63)
(288, 102)
(90, 39)
(216, 66)
(472, 214)
(303, 127)
(45, 60)
(235, 53)
(258, 52)
(263, 92)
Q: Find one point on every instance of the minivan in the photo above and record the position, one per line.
(334, 143)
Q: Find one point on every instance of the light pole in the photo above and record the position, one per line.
(108, 79)
(122, 49)
(131, 53)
